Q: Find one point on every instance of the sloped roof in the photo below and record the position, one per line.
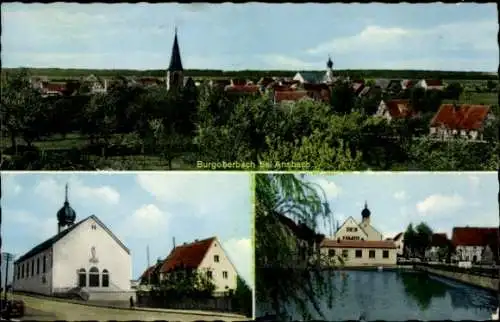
(465, 116)
(439, 240)
(385, 244)
(187, 256)
(399, 108)
(280, 96)
(433, 82)
(51, 241)
(382, 83)
(150, 270)
(245, 89)
(397, 236)
(312, 77)
(473, 236)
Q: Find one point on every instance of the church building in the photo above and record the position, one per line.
(175, 72)
(84, 259)
(360, 244)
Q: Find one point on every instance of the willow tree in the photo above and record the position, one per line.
(278, 281)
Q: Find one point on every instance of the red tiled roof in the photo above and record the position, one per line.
(329, 243)
(399, 108)
(315, 87)
(433, 82)
(238, 81)
(264, 81)
(280, 96)
(439, 240)
(187, 256)
(467, 117)
(473, 236)
(290, 82)
(277, 87)
(246, 89)
(149, 271)
(54, 87)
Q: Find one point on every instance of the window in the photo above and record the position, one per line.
(44, 264)
(105, 278)
(331, 252)
(93, 226)
(209, 274)
(385, 254)
(224, 274)
(372, 254)
(18, 272)
(345, 252)
(216, 258)
(94, 277)
(32, 267)
(38, 266)
(27, 269)
(22, 271)
(359, 253)
(82, 278)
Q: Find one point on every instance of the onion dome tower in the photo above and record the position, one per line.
(66, 216)
(365, 214)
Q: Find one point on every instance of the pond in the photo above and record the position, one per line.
(398, 296)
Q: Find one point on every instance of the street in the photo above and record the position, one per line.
(42, 309)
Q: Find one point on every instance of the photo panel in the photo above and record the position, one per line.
(128, 246)
(185, 92)
(377, 246)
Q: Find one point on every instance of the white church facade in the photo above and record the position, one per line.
(84, 259)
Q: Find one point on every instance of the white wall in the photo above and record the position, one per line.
(400, 244)
(344, 234)
(364, 260)
(35, 283)
(467, 253)
(370, 231)
(73, 252)
(218, 268)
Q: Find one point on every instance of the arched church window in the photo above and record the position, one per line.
(94, 277)
(105, 278)
(38, 265)
(44, 264)
(82, 277)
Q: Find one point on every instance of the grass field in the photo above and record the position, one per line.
(476, 98)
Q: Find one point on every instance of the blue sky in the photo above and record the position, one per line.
(252, 36)
(140, 208)
(442, 200)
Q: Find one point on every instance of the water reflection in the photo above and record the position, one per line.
(396, 296)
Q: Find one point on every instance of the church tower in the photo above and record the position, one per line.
(365, 215)
(329, 71)
(66, 216)
(175, 72)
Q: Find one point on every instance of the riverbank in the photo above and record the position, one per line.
(483, 282)
(373, 268)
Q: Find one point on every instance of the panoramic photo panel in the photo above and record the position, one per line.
(377, 246)
(384, 87)
(125, 246)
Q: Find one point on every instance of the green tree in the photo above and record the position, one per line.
(279, 281)
(409, 241)
(423, 238)
(453, 91)
(243, 297)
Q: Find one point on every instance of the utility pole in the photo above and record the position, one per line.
(7, 257)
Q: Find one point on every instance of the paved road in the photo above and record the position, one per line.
(42, 309)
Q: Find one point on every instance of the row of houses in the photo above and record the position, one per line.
(360, 244)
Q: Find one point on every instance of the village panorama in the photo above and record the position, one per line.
(242, 120)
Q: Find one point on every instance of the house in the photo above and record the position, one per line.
(307, 241)
(438, 241)
(407, 84)
(53, 89)
(466, 121)
(289, 97)
(149, 81)
(394, 109)
(361, 252)
(219, 83)
(472, 243)
(382, 83)
(352, 230)
(206, 256)
(318, 92)
(314, 77)
(97, 85)
(264, 81)
(399, 241)
(83, 258)
(243, 90)
(394, 86)
(239, 82)
(430, 84)
(357, 87)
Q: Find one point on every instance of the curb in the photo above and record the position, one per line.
(143, 309)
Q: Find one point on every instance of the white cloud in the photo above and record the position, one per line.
(240, 251)
(474, 181)
(470, 35)
(41, 227)
(212, 193)
(53, 190)
(400, 195)
(440, 204)
(331, 189)
(148, 221)
(10, 186)
(277, 61)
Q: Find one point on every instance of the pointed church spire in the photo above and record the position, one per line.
(175, 58)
